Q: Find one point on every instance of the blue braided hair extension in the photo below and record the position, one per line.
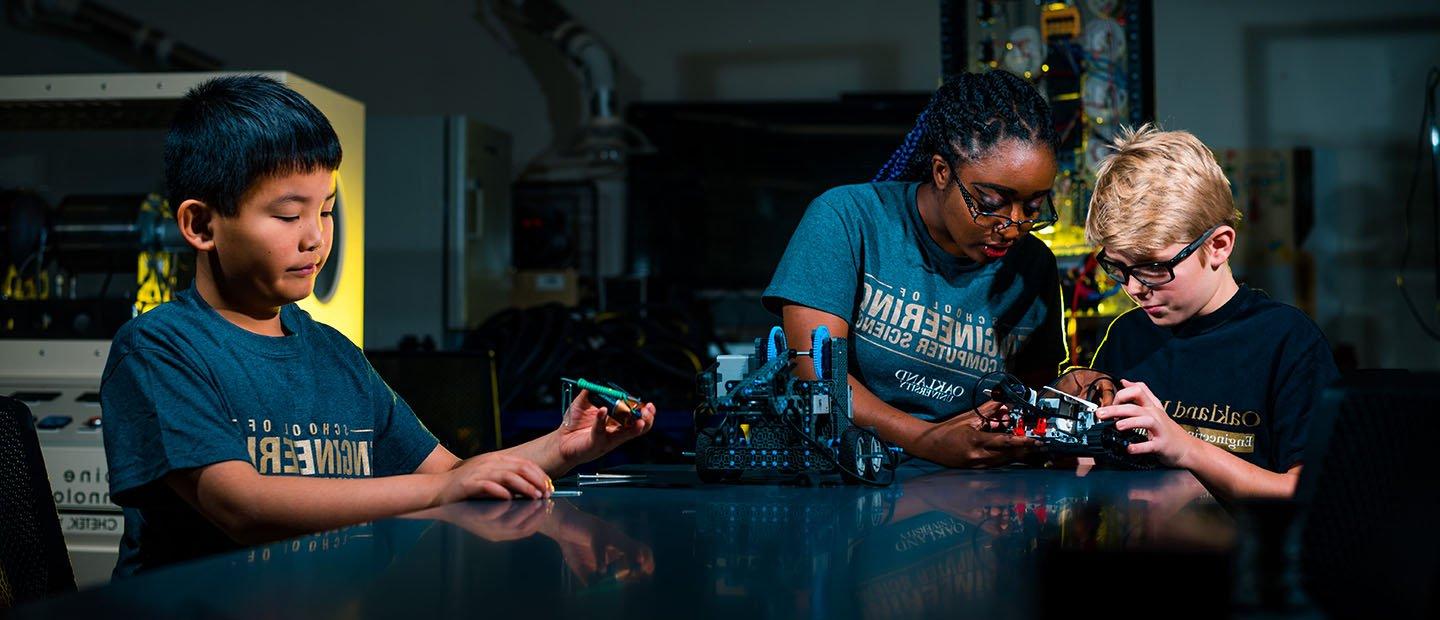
(900, 159)
(967, 116)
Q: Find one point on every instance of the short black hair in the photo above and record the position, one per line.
(968, 115)
(232, 131)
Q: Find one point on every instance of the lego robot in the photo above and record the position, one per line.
(758, 421)
(1065, 424)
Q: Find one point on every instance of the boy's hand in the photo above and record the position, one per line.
(495, 475)
(493, 521)
(1136, 407)
(594, 549)
(588, 432)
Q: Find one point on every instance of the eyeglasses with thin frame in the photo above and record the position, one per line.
(998, 222)
(1151, 274)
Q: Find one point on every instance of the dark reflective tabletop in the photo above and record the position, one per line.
(1004, 543)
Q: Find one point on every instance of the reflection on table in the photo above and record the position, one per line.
(1004, 543)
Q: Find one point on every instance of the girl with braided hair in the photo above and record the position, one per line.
(931, 274)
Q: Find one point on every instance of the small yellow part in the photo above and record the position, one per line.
(156, 275)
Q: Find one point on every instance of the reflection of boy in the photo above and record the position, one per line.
(1221, 377)
(594, 549)
(231, 416)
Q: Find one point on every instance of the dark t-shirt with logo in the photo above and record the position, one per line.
(184, 388)
(925, 325)
(1244, 377)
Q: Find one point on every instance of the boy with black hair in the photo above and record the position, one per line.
(1220, 376)
(232, 417)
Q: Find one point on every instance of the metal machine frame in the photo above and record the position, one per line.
(773, 425)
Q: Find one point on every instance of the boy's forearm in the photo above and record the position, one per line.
(545, 452)
(254, 509)
(1235, 478)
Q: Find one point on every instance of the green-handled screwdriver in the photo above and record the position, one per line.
(610, 396)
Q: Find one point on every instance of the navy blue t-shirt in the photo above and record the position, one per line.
(925, 325)
(1244, 377)
(184, 388)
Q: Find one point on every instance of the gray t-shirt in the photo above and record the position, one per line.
(925, 325)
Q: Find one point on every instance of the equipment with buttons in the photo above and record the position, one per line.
(59, 380)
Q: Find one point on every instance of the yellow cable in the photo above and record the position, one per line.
(694, 359)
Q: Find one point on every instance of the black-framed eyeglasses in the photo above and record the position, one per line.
(1151, 274)
(998, 222)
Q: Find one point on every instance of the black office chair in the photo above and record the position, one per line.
(1369, 496)
(33, 560)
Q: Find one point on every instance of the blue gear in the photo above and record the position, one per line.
(775, 343)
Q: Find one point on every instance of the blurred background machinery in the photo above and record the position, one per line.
(1094, 62)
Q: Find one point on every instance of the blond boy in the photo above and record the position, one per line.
(1220, 376)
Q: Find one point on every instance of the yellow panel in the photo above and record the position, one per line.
(344, 309)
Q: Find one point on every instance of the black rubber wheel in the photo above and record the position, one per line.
(1109, 447)
(861, 456)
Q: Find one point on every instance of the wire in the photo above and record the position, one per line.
(1427, 120)
(828, 453)
(1008, 382)
(1089, 390)
(1075, 316)
(975, 404)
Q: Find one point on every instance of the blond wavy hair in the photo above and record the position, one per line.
(1157, 188)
